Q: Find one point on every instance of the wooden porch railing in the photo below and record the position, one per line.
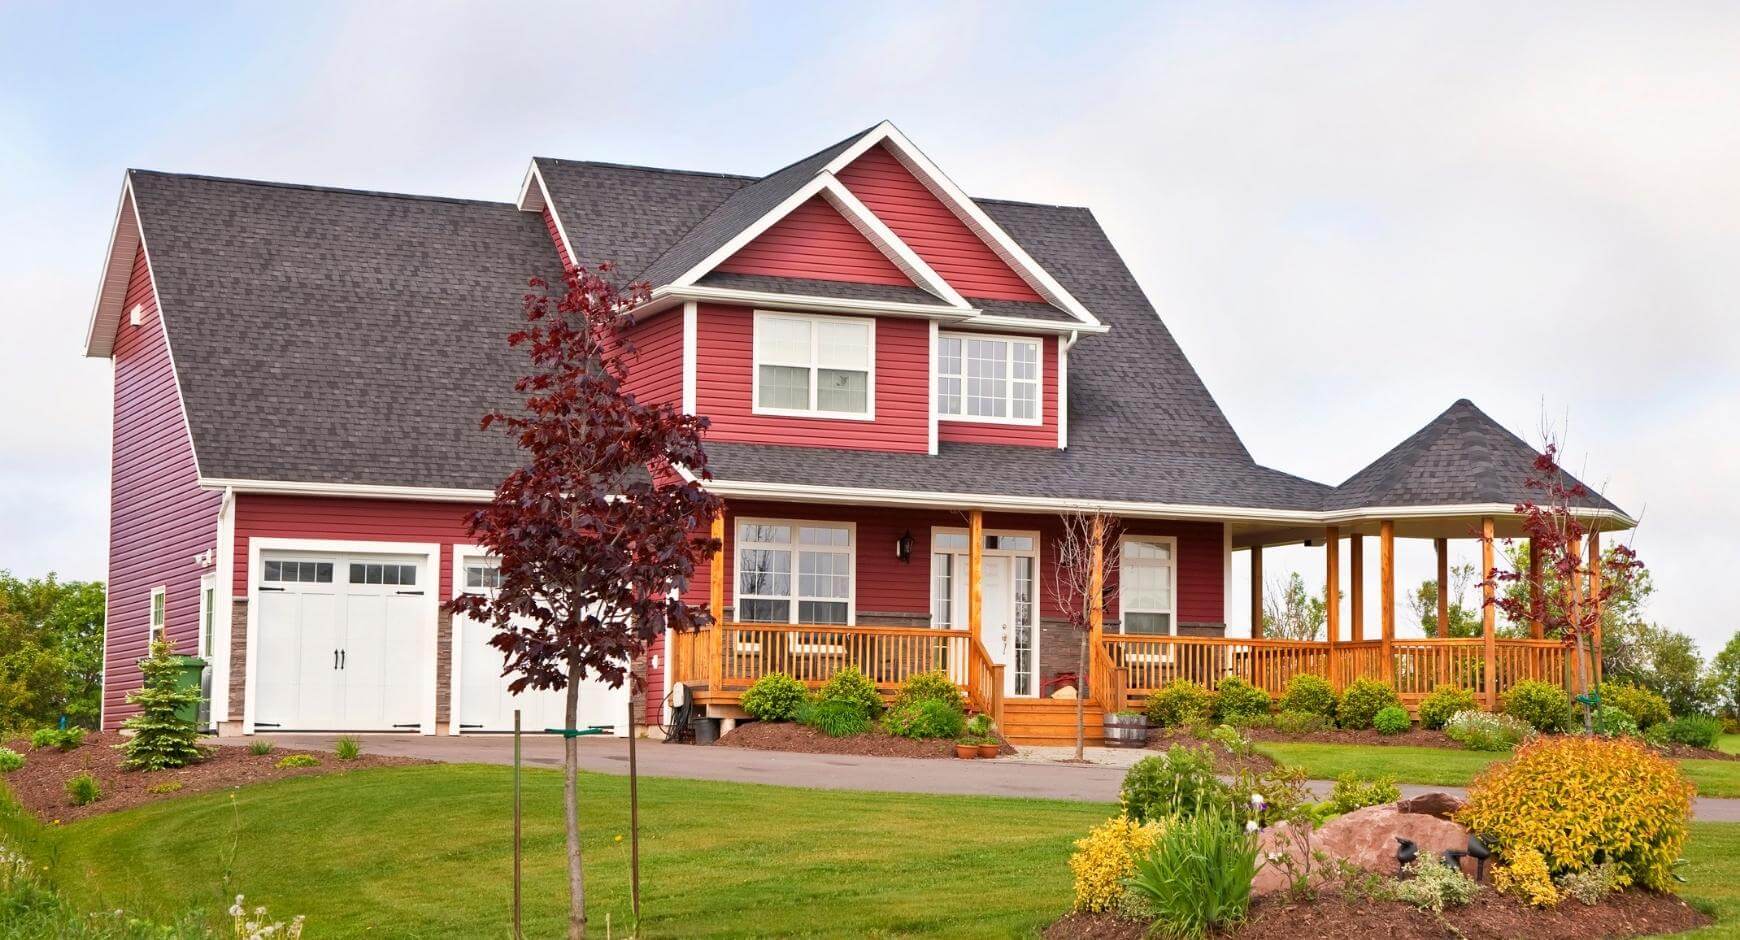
(1151, 662)
(984, 685)
(812, 653)
(1108, 683)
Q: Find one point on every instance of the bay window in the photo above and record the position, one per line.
(807, 365)
(988, 378)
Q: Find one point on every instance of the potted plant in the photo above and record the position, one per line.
(1126, 729)
(984, 733)
(967, 748)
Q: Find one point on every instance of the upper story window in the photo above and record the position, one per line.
(987, 378)
(822, 366)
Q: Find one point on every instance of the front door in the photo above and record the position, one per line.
(1008, 623)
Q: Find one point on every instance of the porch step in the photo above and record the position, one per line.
(1049, 722)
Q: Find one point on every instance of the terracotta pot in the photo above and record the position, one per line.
(990, 750)
(966, 751)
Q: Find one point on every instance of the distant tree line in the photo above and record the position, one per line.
(51, 652)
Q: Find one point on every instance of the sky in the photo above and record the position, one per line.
(1349, 214)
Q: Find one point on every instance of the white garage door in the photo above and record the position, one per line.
(340, 640)
(484, 702)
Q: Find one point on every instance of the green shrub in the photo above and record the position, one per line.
(1592, 884)
(982, 727)
(925, 720)
(1180, 782)
(774, 697)
(1282, 789)
(1695, 730)
(1434, 885)
(1644, 706)
(260, 747)
(162, 788)
(10, 760)
(1179, 703)
(64, 739)
(929, 686)
(1485, 731)
(1611, 722)
(83, 789)
(836, 718)
(1197, 877)
(1444, 701)
(161, 739)
(1232, 741)
(1292, 722)
(298, 760)
(1392, 719)
(1362, 700)
(1543, 705)
(1309, 694)
(347, 747)
(851, 685)
(1236, 700)
(1354, 790)
(1104, 860)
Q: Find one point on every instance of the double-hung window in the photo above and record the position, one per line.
(988, 378)
(159, 612)
(1145, 595)
(823, 366)
(794, 572)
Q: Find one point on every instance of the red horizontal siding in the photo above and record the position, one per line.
(655, 369)
(815, 241)
(724, 388)
(1043, 434)
(884, 584)
(903, 203)
(556, 236)
(350, 520)
(159, 518)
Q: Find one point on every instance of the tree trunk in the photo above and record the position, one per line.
(1581, 672)
(571, 810)
(1081, 686)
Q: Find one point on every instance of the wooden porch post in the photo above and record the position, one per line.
(716, 607)
(1443, 548)
(1595, 596)
(1356, 586)
(1387, 594)
(1332, 597)
(1537, 627)
(975, 570)
(1097, 584)
(1488, 614)
(1256, 592)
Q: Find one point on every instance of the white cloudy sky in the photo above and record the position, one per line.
(1350, 214)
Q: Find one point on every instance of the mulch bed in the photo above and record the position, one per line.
(791, 736)
(40, 785)
(1687, 752)
(1416, 737)
(1224, 763)
(1489, 917)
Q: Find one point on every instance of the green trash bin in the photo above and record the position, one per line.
(190, 676)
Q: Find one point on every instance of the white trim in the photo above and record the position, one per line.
(1226, 592)
(529, 200)
(995, 322)
(861, 218)
(663, 298)
(125, 233)
(431, 551)
(207, 609)
(1171, 543)
(223, 637)
(794, 547)
(966, 210)
(931, 393)
(1064, 345)
(815, 367)
(1039, 393)
(456, 648)
(542, 200)
(368, 490)
(156, 629)
(691, 353)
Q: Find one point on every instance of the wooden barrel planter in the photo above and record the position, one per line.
(1126, 729)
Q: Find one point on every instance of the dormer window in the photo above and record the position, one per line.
(815, 366)
(988, 378)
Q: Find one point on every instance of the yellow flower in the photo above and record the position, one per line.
(619, 838)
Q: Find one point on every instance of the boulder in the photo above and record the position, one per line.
(1441, 805)
(1364, 837)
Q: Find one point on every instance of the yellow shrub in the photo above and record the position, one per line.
(1573, 799)
(1525, 877)
(1105, 858)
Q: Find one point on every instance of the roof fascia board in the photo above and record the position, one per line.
(531, 199)
(968, 211)
(534, 174)
(669, 295)
(993, 322)
(359, 490)
(117, 269)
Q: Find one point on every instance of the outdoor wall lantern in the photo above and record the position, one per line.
(903, 547)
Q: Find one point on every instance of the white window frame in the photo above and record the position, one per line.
(1171, 541)
(756, 407)
(1009, 361)
(207, 616)
(737, 545)
(158, 614)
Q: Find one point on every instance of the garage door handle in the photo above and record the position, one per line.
(335, 659)
(418, 593)
(342, 655)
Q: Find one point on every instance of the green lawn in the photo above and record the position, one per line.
(425, 851)
(1447, 767)
(1728, 744)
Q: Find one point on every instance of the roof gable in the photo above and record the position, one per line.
(815, 241)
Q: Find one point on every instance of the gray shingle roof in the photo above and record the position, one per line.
(630, 214)
(1460, 457)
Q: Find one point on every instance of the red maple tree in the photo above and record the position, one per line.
(597, 531)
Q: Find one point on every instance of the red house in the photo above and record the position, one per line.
(907, 388)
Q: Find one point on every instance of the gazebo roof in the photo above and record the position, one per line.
(1462, 457)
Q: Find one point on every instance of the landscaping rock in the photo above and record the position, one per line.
(1364, 837)
(1441, 805)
